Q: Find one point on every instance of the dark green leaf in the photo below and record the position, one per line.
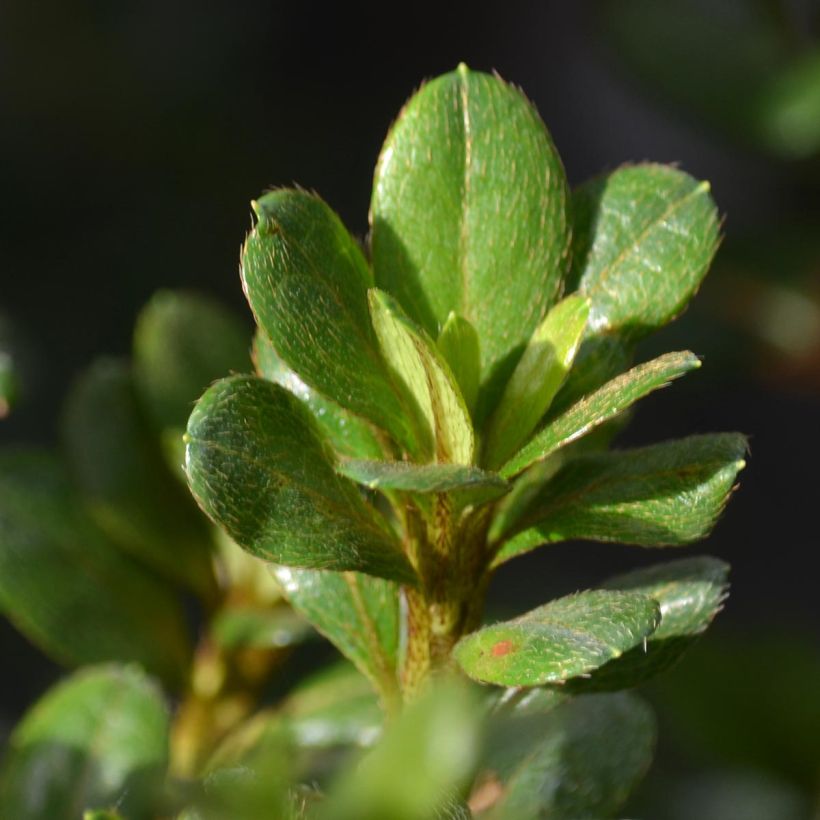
(359, 614)
(690, 593)
(350, 435)
(119, 467)
(100, 738)
(182, 342)
(239, 627)
(460, 346)
(578, 759)
(539, 374)
(68, 589)
(259, 468)
(563, 639)
(667, 494)
(418, 363)
(307, 281)
(601, 406)
(469, 214)
(644, 237)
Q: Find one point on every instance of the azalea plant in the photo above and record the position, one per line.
(424, 409)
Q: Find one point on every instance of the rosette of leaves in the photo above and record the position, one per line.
(441, 402)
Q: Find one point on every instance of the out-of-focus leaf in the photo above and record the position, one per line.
(580, 758)
(667, 494)
(478, 485)
(68, 589)
(258, 467)
(461, 347)
(469, 214)
(563, 639)
(306, 281)
(350, 435)
(643, 238)
(358, 613)
(183, 341)
(419, 766)
(258, 627)
(99, 738)
(601, 406)
(421, 367)
(116, 460)
(8, 384)
(690, 593)
(539, 374)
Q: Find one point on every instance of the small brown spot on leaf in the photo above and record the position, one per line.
(501, 648)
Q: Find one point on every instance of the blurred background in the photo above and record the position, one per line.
(134, 135)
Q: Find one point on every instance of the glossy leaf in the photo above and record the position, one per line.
(258, 467)
(68, 589)
(350, 435)
(357, 613)
(117, 463)
(99, 738)
(470, 215)
(643, 239)
(183, 341)
(667, 494)
(690, 593)
(563, 639)
(461, 348)
(306, 281)
(539, 374)
(240, 627)
(601, 406)
(421, 367)
(580, 758)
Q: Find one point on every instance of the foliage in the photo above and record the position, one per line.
(420, 413)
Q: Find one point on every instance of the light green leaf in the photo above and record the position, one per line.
(563, 639)
(183, 341)
(258, 467)
(419, 364)
(118, 465)
(414, 773)
(539, 374)
(357, 613)
(306, 281)
(270, 627)
(350, 435)
(667, 494)
(71, 591)
(601, 406)
(461, 347)
(470, 214)
(643, 239)
(580, 758)
(99, 738)
(690, 593)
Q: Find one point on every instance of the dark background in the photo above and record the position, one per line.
(134, 135)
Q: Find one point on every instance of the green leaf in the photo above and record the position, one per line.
(460, 346)
(644, 237)
(183, 341)
(563, 639)
(539, 374)
(425, 478)
(357, 613)
(306, 281)
(98, 738)
(418, 767)
(601, 406)
(71, 591)
(690, 593)
(667, 494)
(259, 468)
(421, 367)
(350, 435)
(9, 386)
(240, 627)
(116, 460)
(470, 214)
(580, 758)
